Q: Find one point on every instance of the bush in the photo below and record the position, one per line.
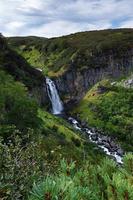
(91, 182)
(21, 163)
(76, 141)
(16, 108)
(55, 128)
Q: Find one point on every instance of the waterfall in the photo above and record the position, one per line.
(57, 106)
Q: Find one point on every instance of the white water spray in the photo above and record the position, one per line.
(57, 106)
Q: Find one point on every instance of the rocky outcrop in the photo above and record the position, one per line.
(39, 93)
(73, 85)
(127, 83)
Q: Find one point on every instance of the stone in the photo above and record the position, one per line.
(106, 144)
(120, 152)
(94, 137)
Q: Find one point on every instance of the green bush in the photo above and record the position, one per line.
(16, 108)
(76, 141)
(21, 163)
(91, 182)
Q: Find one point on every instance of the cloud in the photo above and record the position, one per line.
(50, 18)
(127, 24)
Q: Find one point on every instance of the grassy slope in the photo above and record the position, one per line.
(32, 141)
(64, 141)
(99, 182)
(17, 66)
(14, 94)
(54, 56)
(54, 138)
(20, 112)
(110, 111)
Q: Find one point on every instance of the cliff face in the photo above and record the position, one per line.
(75, 62)
(73, 85)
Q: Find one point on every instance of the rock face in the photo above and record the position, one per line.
(39, 93)
(128, 83)
(73, 85)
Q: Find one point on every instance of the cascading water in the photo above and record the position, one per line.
(57, 106)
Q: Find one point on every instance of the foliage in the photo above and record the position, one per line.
(32, 141)
(86, 49)
(104, 181)
(111, 111)
(26, 159)
(16, 108)
(21, 163)
(16, 65)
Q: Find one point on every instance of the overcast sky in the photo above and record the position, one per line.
(50, 18)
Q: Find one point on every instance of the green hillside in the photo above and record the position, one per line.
(109, 107)
(32, 140)
(42, 157)
(55, 56)
(17, 66)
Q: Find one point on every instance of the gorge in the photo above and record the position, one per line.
(104, 142)
(66, 116)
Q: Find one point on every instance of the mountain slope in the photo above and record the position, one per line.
(78, 61)
(109, 107)
(57, 55)
(16, 65)
(32, 141)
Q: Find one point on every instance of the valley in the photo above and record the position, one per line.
(66, 116)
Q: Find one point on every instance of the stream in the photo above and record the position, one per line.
(106, 143)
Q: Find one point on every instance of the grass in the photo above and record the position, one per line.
(60, 125)
(90, 182)
(57, 55)
(64, 140)
(110, 111)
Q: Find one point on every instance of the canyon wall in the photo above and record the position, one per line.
(73, 85)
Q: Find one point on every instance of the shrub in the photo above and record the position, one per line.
(76, 141)
(91, 182)
(21, 163)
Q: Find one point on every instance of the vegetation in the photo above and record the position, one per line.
(109, 108)
(104, 181)
(17, 66)
(55, 56)
(41, 155)
(32, 141)
(17, 110)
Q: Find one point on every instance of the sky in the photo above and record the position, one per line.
(52, 18)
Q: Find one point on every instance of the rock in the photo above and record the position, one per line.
(113, 145)
(93, 130)
(83, 123)
(101, 89)
(120, 152)
(94, 137)
(85, 130)
(106, 144)
(104, 138)
(100, 142)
